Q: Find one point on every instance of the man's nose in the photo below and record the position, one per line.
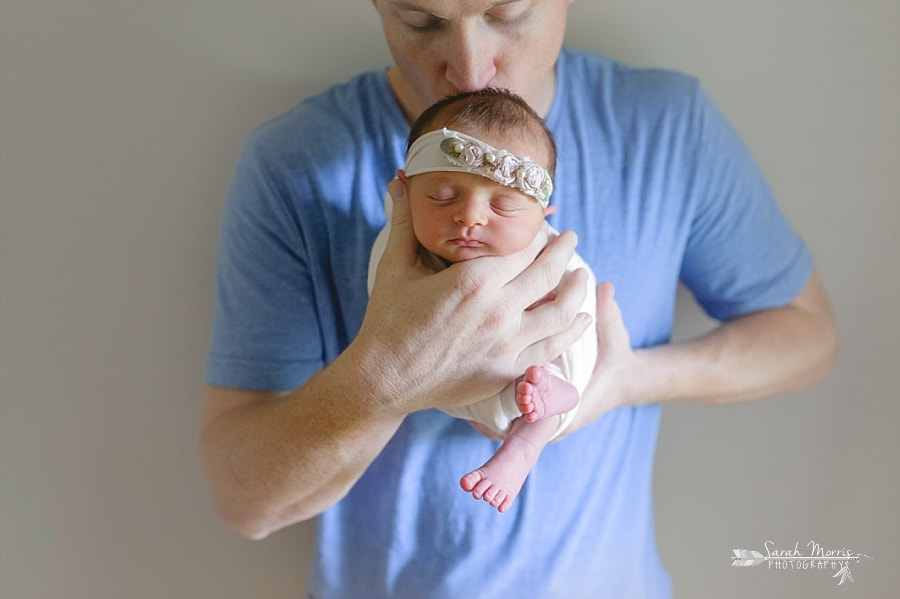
(471, 212)
(470, 58)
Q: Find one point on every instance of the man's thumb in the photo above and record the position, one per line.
(402, 238)
(399, 204)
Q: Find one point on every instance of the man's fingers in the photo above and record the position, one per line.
(554, 326)
(609, 316)
(605, 294)
(549, 318)
(544, 274)
(549, 348)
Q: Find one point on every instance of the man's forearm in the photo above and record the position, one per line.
(755, 355)
(276, 459)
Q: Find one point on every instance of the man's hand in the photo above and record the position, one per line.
(462, 334)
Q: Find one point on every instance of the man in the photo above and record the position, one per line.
(319, 406)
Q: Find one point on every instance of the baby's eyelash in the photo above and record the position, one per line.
(505, 207)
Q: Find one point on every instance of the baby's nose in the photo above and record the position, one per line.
(471, 213)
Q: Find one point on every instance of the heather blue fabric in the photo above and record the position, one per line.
(659, 189)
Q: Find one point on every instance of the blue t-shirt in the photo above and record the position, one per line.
(659, 189)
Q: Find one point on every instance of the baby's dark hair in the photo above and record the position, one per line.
(490, 110)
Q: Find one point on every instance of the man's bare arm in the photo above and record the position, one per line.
(755, 355)
(273, 459)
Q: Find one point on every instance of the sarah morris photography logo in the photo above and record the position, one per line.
(815, 557)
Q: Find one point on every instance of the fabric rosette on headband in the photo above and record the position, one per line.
(448, 150)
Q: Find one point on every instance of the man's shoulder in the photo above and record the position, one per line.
(337, 117)
(624, 83)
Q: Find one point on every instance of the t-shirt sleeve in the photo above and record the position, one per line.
(742, 254)
(265, 330)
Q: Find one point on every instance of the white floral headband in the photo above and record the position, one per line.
(447, 150)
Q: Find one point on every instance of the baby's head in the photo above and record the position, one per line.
(479, 175)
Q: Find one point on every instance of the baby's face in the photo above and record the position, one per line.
(460, 216)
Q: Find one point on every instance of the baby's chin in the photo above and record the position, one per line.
(462, 254)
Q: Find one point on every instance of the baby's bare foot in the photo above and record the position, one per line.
(481, 486)
(500, 479)
(532, 393)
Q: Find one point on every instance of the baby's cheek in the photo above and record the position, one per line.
(521, 239)
(424, 234)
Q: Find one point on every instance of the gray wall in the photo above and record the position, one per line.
(120, 121)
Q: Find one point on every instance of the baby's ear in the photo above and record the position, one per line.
(549, 210)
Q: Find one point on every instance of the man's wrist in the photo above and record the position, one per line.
(370, 367)
(640, 378)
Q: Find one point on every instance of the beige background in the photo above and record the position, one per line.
(120, 121)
